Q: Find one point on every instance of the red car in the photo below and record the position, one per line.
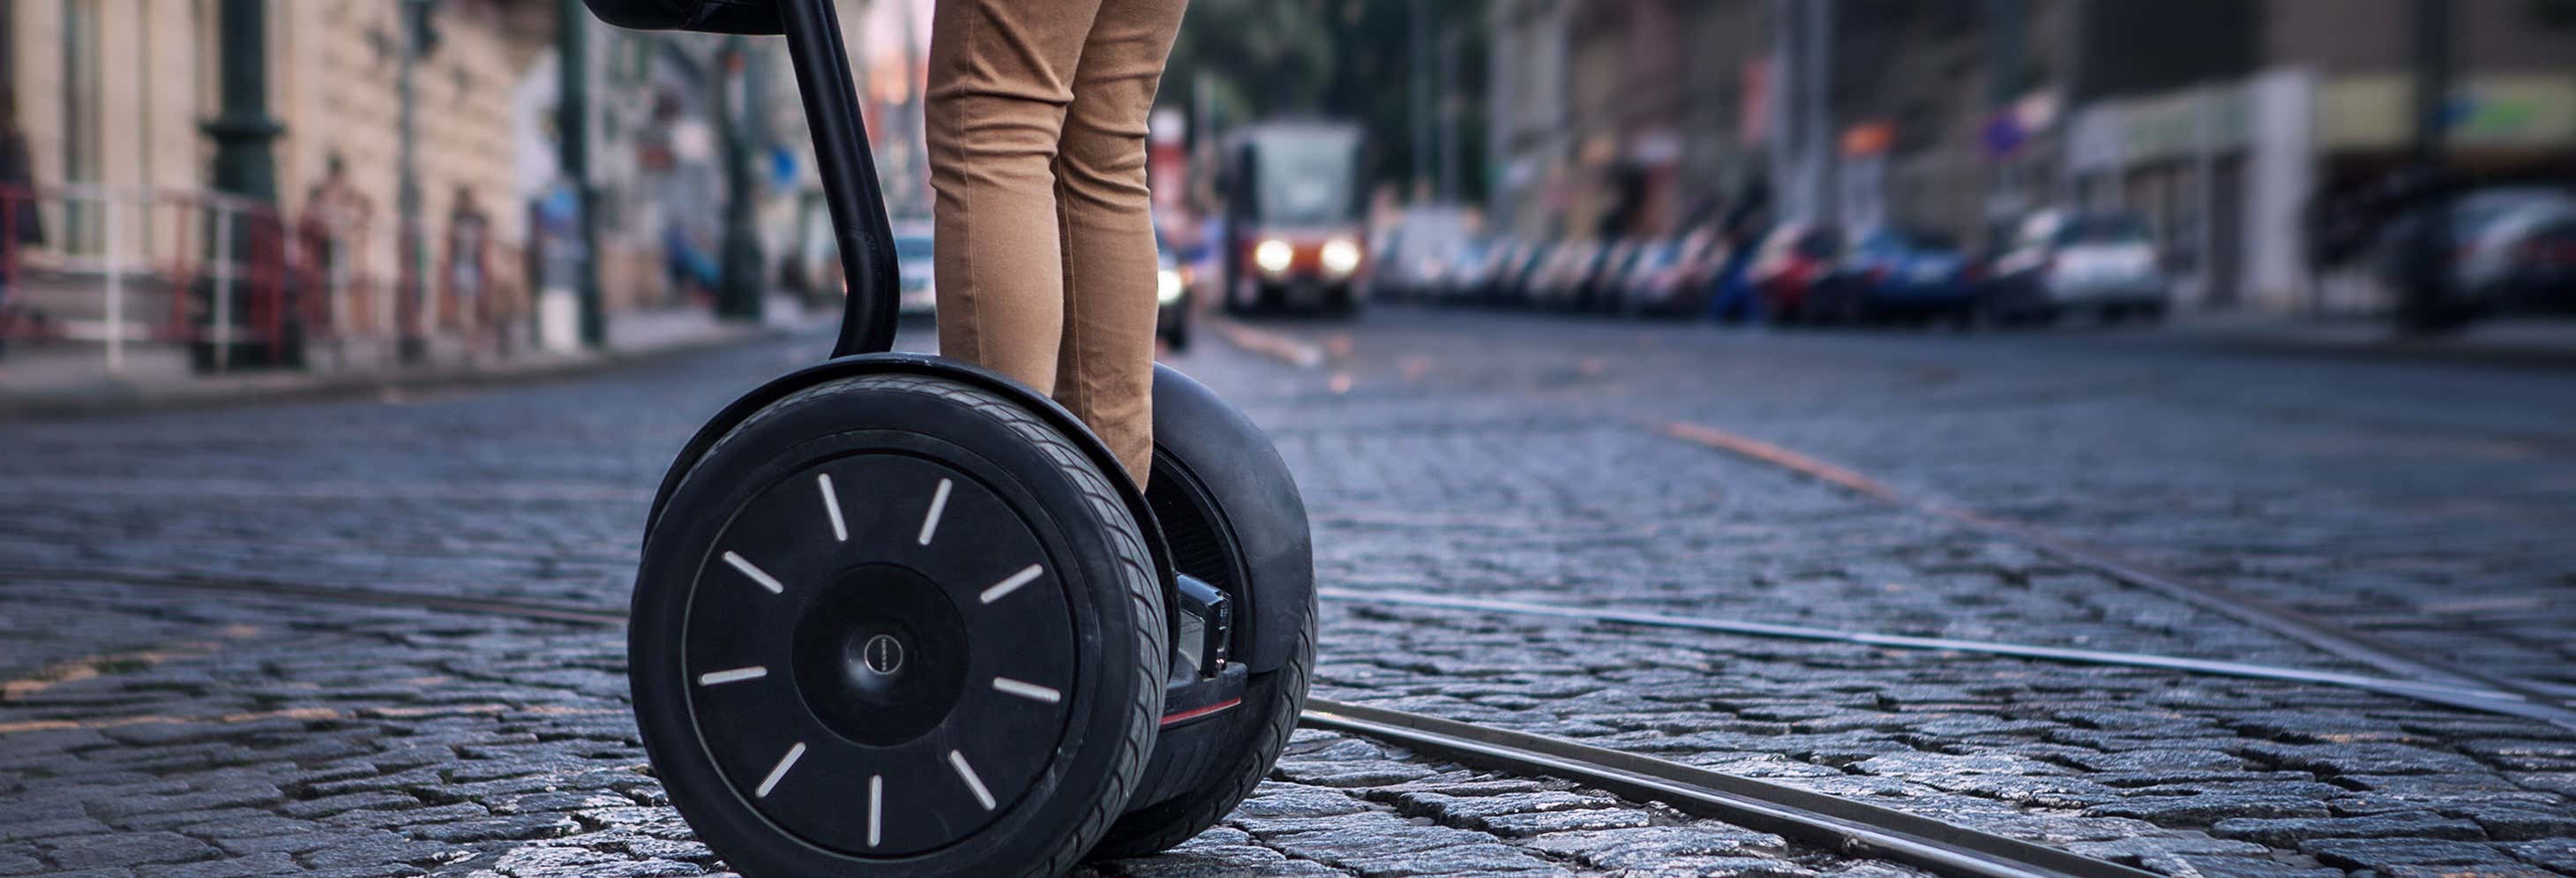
(1792, 258)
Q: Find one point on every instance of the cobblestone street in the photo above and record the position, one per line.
(184, 697)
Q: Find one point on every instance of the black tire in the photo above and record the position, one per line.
(1045, 797)
(1179, 337)
(1271, 705)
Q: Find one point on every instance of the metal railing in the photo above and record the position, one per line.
(233, 277)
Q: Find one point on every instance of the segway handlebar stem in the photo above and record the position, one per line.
(849, 172)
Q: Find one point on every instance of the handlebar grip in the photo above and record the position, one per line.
(756, 17)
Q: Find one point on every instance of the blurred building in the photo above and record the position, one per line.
(112, 97)
(2220, 122)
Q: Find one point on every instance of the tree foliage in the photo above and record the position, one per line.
(1348, 59)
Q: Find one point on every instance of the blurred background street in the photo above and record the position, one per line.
(2145, 429)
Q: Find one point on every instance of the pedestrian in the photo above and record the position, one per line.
(335, 214)
(21, 226)
(469, 262)
(1045, 240)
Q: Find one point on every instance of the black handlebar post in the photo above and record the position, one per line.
(859, 222)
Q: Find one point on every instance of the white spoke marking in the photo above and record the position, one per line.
(789, 761)
(973, 783)
(876, 808)
(737, 675)
(757, 575)
(1012, 584)
(1031, 691)
(938, 504)
(832, 504)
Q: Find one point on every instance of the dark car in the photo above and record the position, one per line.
(1792, 258)
(2510, 248)
(1897, 274)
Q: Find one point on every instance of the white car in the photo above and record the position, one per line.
(919, 291)
(2063, 262)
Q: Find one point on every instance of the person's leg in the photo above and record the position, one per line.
(1106, 371)
(1001, 74)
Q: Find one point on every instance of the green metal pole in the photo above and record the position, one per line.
(572, 119)
(245, 165)
(740, 295)
(414, 346)
(243, 131)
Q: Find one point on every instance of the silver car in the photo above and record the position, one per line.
(2063, 262)
(920, 287)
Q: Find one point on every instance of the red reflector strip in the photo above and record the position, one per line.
(1196, 712)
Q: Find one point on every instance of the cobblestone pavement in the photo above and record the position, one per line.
(152, 730)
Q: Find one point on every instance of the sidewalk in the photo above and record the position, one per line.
(67, 380)
(2508, 341)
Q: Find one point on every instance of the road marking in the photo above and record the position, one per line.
(737, 675)
(973, 783)
(876, 808)
(1012, 584)
(757, 575)
(832, 504)
(1032, 691)
(1276, 346)
(784, 763)
(938, 504)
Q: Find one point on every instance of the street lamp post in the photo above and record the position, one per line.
(244, 166)
(417, 40)
(572, 118)
(737, 107)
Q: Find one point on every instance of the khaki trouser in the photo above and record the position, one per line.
(1045, 244)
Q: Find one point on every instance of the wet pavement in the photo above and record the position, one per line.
(150, 729)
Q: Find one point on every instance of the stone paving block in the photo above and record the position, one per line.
(238, 867)
(2360, 759)
(2288, 833)
(124, 849)
(2383, 853)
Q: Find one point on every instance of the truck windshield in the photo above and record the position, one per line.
(1306, 177)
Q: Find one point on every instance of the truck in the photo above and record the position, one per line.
(1295, 236)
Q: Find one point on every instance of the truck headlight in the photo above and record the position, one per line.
(1341, 257)
(1273, 256)
(1167, 286)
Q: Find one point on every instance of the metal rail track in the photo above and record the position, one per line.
(2521, 698)
(1843, 825)
(2436, 692)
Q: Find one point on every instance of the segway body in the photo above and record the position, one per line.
(898, 615)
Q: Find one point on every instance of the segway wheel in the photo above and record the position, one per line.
(1205, 523)
(897, 625)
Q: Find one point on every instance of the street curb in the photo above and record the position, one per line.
(2437, 351)
(114, 399)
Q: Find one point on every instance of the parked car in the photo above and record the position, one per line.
(2510, 248)
(1599, 289)
(1897, 274)
(1467, 270)
(1786, 267)
(2062, 261)
(1518, 284)
(918, 292)
(1559, 279)
(1673, 276)
(1418, 250)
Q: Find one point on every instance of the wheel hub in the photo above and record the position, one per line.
(882, 657)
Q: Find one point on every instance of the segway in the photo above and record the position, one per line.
(898, 615)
